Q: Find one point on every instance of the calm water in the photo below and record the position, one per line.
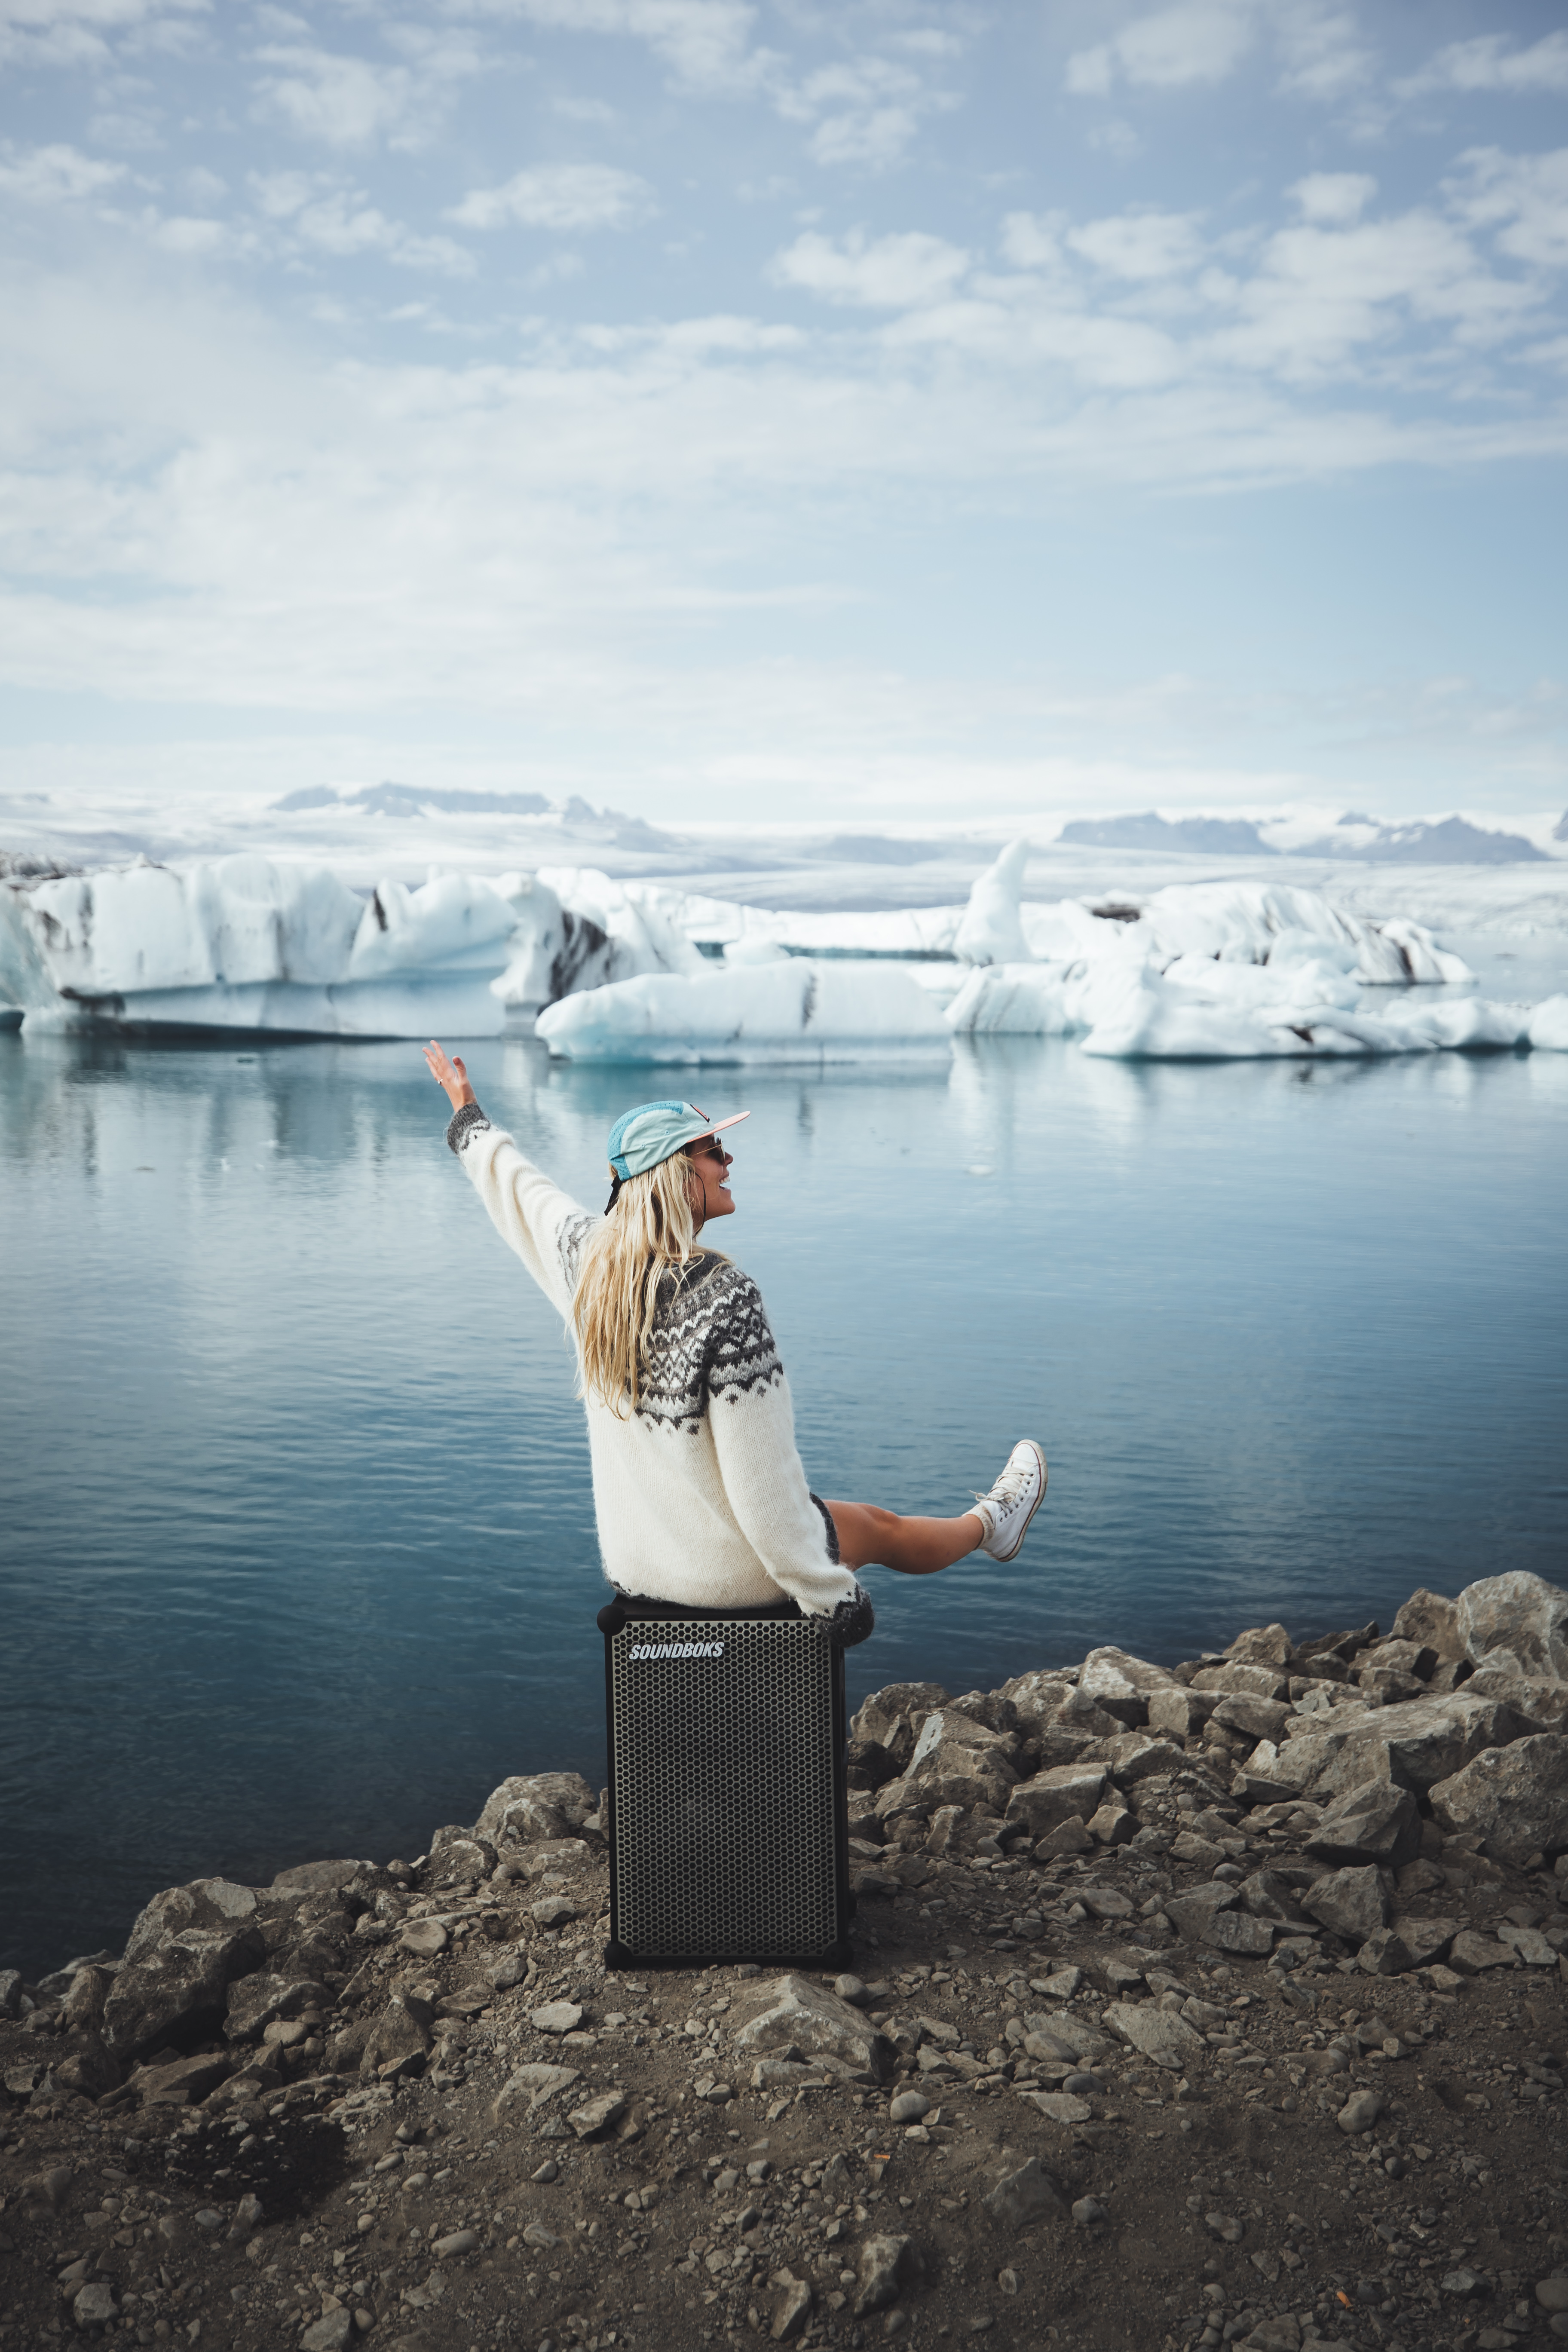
(297, 1552)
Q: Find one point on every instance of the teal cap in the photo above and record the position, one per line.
(656, 1131)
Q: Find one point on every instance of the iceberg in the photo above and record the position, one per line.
(1199, 1010)
(1549, 1025)
(246, 943)
(793, 1011)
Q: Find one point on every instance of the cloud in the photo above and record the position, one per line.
(1143, 244)
(866, 110)
(1194, 43)
(562, 196)
(895, 273)
(80, 32)
(1524, 197)
(1335, 198)
(1491, 63)
(328, 217)
(705, 44)
(354, 103)
(54, 175)
(1197, 44)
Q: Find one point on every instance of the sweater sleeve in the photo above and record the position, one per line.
(751, 1415)
(544, 1224)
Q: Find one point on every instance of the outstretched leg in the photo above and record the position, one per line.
(867, 1535)
(914, 1547)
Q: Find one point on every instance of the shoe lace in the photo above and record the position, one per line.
(1009, 1487)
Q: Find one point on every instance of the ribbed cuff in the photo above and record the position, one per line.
(464, 1121)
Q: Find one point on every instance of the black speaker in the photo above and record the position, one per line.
(729, 1806)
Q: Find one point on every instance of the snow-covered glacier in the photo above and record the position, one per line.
(248, 943)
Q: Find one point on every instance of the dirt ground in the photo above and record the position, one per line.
(1225, 2202)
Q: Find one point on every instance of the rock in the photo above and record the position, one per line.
(1178, 1713)
(182, 2082)
(10, 1991)
(556, 2017)
(554, 1911)
(1058, 2106)
(530, 1806)
(892, 1717)
(1427, 1619)
(1120, 1683)
(1255, 1717)
(1113, 1824)
(1518, 1616)
(1169, 2041)
(330, 2333)
(597, 2115)
(1407, 1944)
(1470, 1954)
(1242, 1933)
(715, 2094)
(400, 2041)
(908, 2107)
(1239, 1679)
(952, 1745)
(456, 2241)
(1349, 1903)
(247, 2220)
(426, 1939)
(1552, 2293)
(83, 2007)
(47, 2188)
(793, 2312)
(1070, 1836)
(322, 1877)
(89, 2069)
(1529, 1943)
(1262, 1645)
(94, 2305)
(534, 2084)
(509, 1973)
(1191, 1913)
(1225, 2227)
(1024, 2196)
(1052, 1797)
(1515, 1797)
(454, 1854)
(791, 2009)
(1376, 1822)
(184, 1951)
(1415, 1743)
(1360, 2112)
(1088, 2210)
(1103, 1902)
(1135, 1757)
(253, 2003)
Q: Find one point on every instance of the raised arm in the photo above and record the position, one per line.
(534, 1217)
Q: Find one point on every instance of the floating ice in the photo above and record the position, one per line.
(1549, 1025)
(794, 1011)
(1200, 1009)
(244, 943)
(1241, 922)
(991, 930)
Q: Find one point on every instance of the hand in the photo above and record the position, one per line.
(450, 1075)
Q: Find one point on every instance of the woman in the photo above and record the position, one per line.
(698, 1487)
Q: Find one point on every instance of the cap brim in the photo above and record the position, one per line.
(721, 1124)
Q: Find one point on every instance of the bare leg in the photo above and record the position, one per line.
(912, 1547)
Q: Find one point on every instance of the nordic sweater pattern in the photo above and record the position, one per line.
(699, 1493)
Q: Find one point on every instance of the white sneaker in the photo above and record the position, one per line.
(1013, 1501)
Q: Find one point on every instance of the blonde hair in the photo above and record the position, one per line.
(651, 1232)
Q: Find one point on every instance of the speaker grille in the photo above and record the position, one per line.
(723, 1787)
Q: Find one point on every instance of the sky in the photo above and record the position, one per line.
(782, 413)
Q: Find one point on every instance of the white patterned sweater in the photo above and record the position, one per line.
(699, 1492)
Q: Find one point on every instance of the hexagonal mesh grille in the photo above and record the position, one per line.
(723, 1788)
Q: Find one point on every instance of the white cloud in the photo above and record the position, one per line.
(1492, 63)
(1524, 198)
(81, 32)
(1335, 198)
(1196, 42)
(1144, 245)
(55, 174)
(562, 196)
(892, 273)
(1030, 242)
(352, 102)
(867, 110)
(1320, 52)
(706, 44)
(325, 217)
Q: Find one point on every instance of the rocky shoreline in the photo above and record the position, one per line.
(1224, 2003)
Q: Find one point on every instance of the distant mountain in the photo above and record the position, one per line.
(1453, 842)
(1210, 836)
(1560, 830)
(878, 849)
(576, 817)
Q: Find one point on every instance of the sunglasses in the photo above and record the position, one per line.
(711, 1149)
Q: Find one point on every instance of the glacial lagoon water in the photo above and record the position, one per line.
(296, 1552)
